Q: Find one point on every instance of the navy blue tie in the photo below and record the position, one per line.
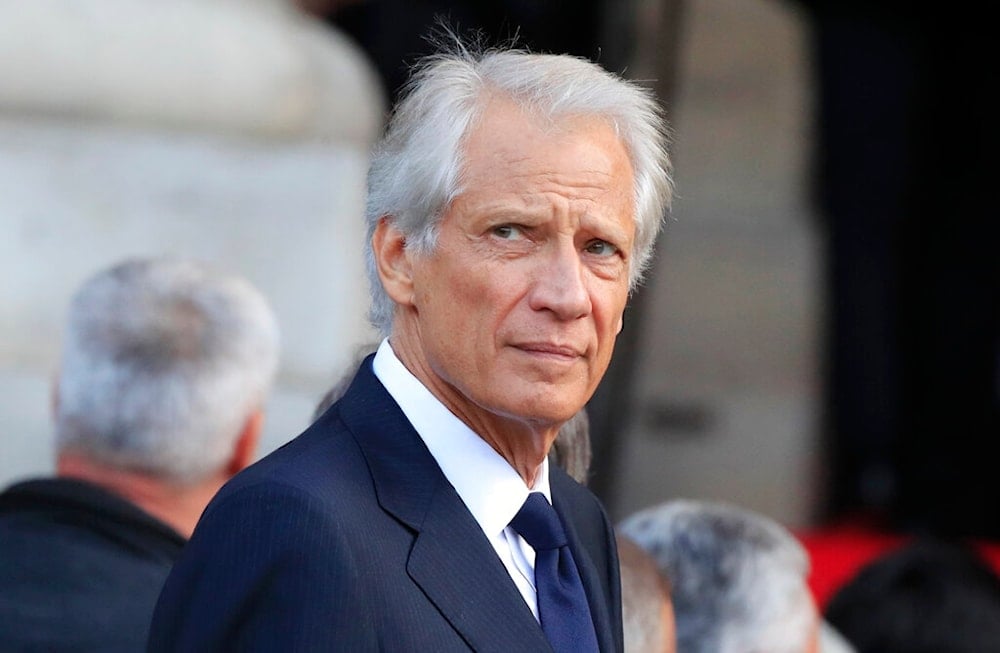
(562, 604)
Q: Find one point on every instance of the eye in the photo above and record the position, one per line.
(601, 248)
(507, 232)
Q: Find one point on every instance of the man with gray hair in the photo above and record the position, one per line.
(737, 578)
(165, 368)
(512, 206)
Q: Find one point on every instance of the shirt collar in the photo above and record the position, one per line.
(490, 488)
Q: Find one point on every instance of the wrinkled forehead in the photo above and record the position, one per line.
(505, 130)
(494, 105)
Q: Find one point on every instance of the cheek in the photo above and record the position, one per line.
(493, 292)
(609, 306)
(462, 305)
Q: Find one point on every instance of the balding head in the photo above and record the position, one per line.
(647, 612)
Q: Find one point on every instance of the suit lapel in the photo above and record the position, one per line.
(585, 553)
(457, 567)
(451, 559)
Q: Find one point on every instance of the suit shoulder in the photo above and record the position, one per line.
(579, 499)
(324, 456)
(290, 528)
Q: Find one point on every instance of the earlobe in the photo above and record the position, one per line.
(621, 324)
(245, 448)
(393, 261)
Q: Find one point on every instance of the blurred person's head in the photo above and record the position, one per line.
(165, 368)
(341, 385)
(738, 579)
(647, 612)
(571, 448)
(927, 597)
(420, 167)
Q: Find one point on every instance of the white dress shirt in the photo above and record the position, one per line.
(490, 488)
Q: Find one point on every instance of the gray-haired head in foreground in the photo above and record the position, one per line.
(163, 362)
(737, 578)
(416, 168)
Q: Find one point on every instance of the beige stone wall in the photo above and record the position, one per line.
(234, 132)
(728, 387)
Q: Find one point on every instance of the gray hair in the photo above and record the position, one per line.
(416, 169)
(163, 361)
(571, 448)
(737, 578)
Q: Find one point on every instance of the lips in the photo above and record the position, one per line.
(550, 349)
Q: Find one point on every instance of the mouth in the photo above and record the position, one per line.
(550, 350)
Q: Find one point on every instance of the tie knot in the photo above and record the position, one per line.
(538, 523)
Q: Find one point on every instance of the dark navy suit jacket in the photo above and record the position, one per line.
(350, 538)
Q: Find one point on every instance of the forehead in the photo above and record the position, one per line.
(509, 144)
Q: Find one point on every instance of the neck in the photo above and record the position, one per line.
(178, 506)
(521, 442)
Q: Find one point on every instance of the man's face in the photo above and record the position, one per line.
(517, 309)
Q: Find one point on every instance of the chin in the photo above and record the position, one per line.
(537, 409)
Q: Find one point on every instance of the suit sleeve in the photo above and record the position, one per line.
(267, 569)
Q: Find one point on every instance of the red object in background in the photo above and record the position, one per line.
(991, 553)
(838, 552)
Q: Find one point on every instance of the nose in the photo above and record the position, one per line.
(560, 284)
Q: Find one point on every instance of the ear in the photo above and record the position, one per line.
(245, 449)
(393, 261)
(621, 324)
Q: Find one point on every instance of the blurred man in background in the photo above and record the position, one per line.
(737, 579)
(164, 372)
(928, 596)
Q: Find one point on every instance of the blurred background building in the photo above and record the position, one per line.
(237, 132)
(232, 132)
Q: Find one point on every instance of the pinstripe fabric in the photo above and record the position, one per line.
(349, 538)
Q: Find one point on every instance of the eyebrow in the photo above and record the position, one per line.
(615, 233)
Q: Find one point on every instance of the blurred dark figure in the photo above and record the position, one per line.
(159, 401)
(904, 179)
(392, 31)
(928, 597)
